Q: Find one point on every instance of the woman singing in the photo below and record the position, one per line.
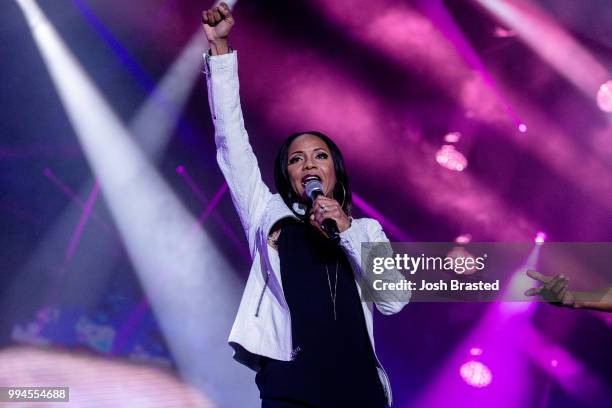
(303, 324)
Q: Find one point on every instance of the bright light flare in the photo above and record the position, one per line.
(463, 238)
(451, 158)
(501, 32)
(476, 374)
(475, 351)
(604, 96)
(452, 137)
(540, 237)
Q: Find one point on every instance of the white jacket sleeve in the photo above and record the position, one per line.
(387, 302)
(234, 153)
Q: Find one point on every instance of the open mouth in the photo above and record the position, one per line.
(310, 177)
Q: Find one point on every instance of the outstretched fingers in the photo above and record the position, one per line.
(533, 291)
(538, 276)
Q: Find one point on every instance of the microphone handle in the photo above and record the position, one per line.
(331, 229)
(328, 225)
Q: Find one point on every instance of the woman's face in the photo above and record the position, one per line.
(310, 157)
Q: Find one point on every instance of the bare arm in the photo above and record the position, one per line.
(596, 300)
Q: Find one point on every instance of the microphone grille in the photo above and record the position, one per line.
(312, 187)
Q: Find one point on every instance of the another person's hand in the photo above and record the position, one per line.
(324, 208)
(554, 289)
(218, 22)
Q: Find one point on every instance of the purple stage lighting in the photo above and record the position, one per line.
(501, 32)
(463, 238)
(452, 137)
(540, 237)
(476, 374)
(604, 97)
(450, 158)
(522, 127)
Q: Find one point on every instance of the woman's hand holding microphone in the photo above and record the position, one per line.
(327, 208)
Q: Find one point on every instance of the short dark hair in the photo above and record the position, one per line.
(342, 190)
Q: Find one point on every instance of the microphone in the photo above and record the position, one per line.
(313, 189)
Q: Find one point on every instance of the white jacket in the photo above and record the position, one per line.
(263, 323)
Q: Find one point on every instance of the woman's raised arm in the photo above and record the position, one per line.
(234, 153)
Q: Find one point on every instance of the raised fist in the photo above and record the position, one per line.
(217, 22)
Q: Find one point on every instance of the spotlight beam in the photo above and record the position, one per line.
(152, 127)
(439, 14)
(542, 34)
(182, 279)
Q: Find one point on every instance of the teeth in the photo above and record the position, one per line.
(309, 178)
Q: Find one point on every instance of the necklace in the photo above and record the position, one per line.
(335, 292)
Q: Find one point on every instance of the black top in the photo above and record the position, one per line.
(334, 364)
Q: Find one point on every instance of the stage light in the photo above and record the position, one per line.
(475, 351)
(450, 158)
(540, 237)
(501, 32)
(522, 127)
(554, 363)
(452, 137)
(463, 238)
(476, 374)
(604, 97)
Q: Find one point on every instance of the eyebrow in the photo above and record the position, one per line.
(315, 149)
